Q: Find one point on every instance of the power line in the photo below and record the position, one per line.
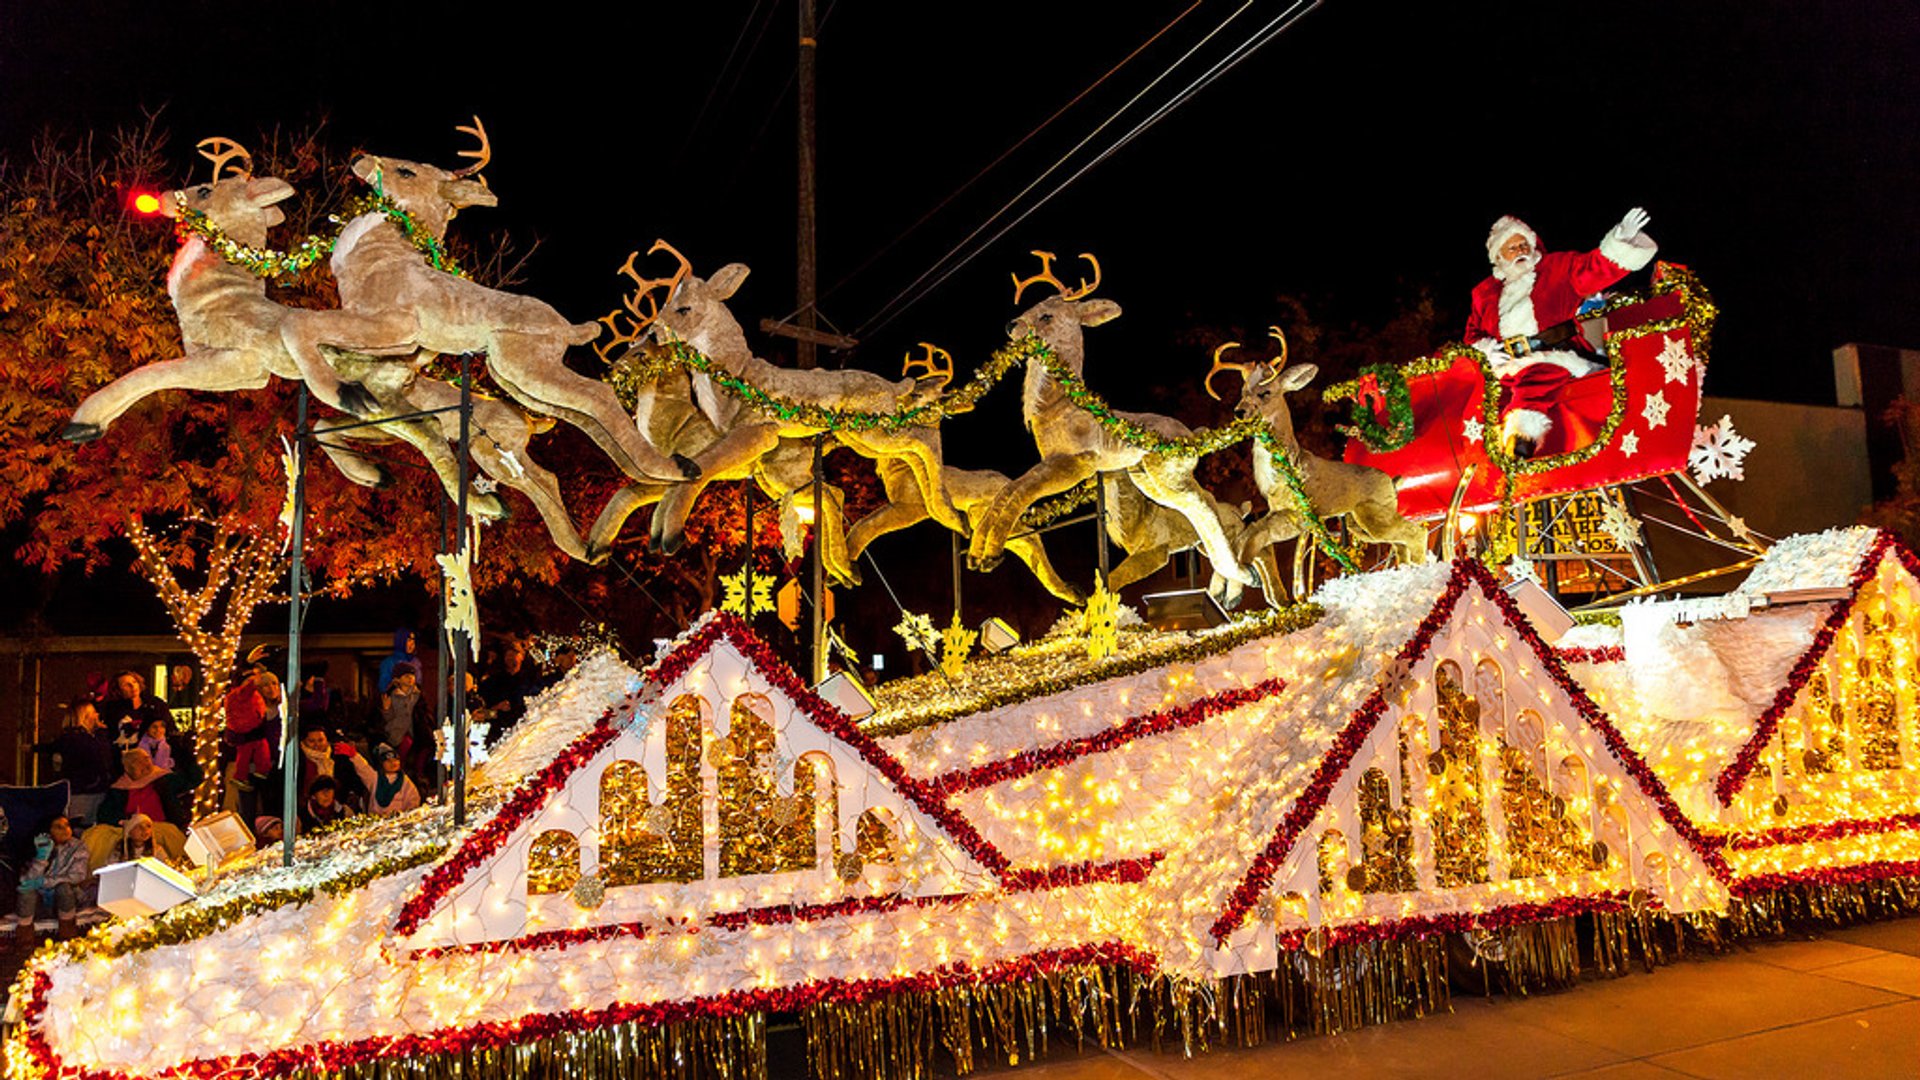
(921, 286)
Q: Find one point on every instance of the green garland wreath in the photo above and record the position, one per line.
(1363, 425)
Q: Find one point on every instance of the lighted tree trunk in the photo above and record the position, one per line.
(238, 573)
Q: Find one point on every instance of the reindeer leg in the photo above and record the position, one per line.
(614, 515)
(381, 334)
(532, 367)
(1138, 565)
(906, 506)
(533, 480)
(356, 465)
(200, 369)
(1050, 477)
(1169, 482)
(733, 454)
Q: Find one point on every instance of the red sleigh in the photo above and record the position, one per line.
(1432, 424)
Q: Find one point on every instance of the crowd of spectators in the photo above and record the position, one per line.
(131, 771)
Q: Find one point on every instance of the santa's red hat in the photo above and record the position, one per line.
(1504, 229)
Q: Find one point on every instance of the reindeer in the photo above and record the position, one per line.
(730, 437)
(1363, 496)
(393, 302)
(233, 332)
(970, 491)
(1150, 534)
(1072, 443)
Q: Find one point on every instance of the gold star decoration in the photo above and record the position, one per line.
(956, 642)
(1103, 623)
(743, 602)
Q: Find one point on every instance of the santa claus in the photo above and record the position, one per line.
(1523, 317)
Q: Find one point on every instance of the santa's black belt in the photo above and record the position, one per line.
(1522, 344)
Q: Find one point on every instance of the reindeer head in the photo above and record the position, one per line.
(432, 195)
(681, 307)
(239, 204)
(1058, 319)
(1264, 385)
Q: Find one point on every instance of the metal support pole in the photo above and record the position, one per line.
(290, 696)
(457, 641)
(804, 349)
(1100, 523)
(746, 492)
(819, 565)
(959, 560)
(447, 699)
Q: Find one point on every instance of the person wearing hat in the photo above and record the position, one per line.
(400, 700)
(268, 831)
(390, 789)
(322, 806)
(1523, 317)
(338, 763)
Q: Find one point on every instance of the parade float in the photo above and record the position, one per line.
(1329, 812)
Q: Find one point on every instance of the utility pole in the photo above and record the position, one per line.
(806, 353)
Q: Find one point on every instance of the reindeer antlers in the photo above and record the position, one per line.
(642, 294)
(220, 151)
(481, 156)
(1273, 366)
(1220, 365)
(938, 363)
(1045, 277)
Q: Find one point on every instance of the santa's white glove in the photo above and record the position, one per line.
(1631, 225)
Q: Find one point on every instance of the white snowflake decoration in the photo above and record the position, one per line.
(1718, 451)
(1675, 361)
(485, 485)
(1655, 409)
(1473, 429)
(1622, 527)
(918, 632)
(476, 743)
(1522, 569)
(1630, 444)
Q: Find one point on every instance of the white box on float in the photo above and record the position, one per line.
(145, 886)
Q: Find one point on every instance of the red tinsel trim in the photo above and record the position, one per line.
(1749, 887)
(335, 1056)
(1831, 830)
(1338, 757)
(525, 801)
(1498, 918)
(1265, 865)
(1735, 774)
(531, 795)
(1600, 654)
(1142, 726)
(1123, 871)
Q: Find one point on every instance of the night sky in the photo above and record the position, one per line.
(1356, 159)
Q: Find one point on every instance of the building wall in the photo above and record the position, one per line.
(1808, 471)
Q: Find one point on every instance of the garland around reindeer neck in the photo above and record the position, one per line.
(269, 263)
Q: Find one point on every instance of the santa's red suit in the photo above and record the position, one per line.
(1538, 292)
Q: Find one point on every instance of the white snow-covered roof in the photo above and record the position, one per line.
(1824, 560)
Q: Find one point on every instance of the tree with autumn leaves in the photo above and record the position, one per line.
(194, 481)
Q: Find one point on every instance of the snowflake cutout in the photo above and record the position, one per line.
(1102, 623)
(1623, 528)
(476, 743)
(1630, 444)
(1655, 409)
(1675, 361)
(463, 612)
(917, 631)
(743, 601)
(485, 485)
(955, 643)
(1522, 569)
(1718, 451)
(1474, 430)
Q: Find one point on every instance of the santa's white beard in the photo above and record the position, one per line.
(1520, 266)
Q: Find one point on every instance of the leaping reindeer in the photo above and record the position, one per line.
(1362, 495)
(735, 436)
(233, 333)
(1073, 444)
(393, 302)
